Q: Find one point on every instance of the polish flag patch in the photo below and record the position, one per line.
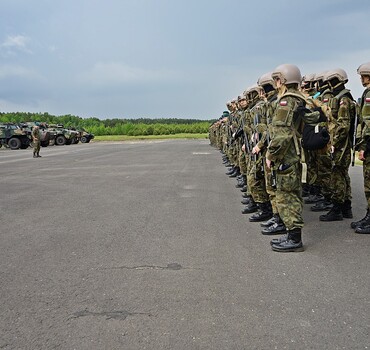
(367, 100)
(283, 103)
(341, 102)
(325, 100)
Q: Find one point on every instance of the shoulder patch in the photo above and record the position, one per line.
(341, 102)
(283, 103)
(325, 100)
(367, 100)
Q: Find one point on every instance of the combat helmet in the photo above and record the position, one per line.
(253, 92)
(308, 81)
(364, 69)
(288, 74)
(266, 82)
(338, 73)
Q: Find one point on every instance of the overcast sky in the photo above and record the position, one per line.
(167, 58)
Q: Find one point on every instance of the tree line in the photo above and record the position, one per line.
(130, 127)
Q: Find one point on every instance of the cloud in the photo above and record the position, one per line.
(17, 71)
(115, 73)
(15, 43)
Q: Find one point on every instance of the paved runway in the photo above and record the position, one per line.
(143, 246)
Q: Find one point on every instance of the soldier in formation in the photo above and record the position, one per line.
(288, 131)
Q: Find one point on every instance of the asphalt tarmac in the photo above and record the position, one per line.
(143, 246)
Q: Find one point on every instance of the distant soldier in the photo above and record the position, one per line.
(363, 225)
(36, 137)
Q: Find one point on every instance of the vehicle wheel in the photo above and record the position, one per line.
(14, 143)
(60, 140)
(84, 139)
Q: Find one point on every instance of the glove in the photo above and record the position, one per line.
(302, 110)
(323, 117)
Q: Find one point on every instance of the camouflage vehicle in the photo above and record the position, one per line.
(46, 136)
(83, 135)
(86, 137)
(63, 136)
(12, 136)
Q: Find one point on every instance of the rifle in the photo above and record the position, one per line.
(273, 170)
(246, 140)
(354, 137)
(256, 121)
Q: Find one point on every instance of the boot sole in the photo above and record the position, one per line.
(292, 250)
(273, 233)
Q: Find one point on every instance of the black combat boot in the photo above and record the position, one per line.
(315, 195)
(242, 182)
(335, 213)
(250, 208)
(347, 209)
(277, 228)
(271, 221)
(363, 222)
(279, 240)
(323, 205)
(235, 173)
(293, 242)
(230, 171)
(364, 229)
(244, 188)
(246, 200)
(264, 213)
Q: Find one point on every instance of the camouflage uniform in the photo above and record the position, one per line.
(36, 138)
(340, 112)
(284, 151)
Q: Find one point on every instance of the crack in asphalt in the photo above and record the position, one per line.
(115, 315)
(171, 266)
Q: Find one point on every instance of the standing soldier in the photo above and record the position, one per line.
(363, 225)
(36, 137)
(340, 113)
(274, 225)
(285, 152)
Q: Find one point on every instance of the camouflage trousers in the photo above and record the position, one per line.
(339, 180)
(323, 169)
(36, 147)
(312, 167)
(289, 196)
(256, 180)
(270, 191)
(243, 163)
(366, 172)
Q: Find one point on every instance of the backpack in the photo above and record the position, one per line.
(315, 135)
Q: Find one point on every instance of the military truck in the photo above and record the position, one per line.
(12, 136)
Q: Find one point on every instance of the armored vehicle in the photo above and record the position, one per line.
(63, 136)
(13, 136)
(47, 136)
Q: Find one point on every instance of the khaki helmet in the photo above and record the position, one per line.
(253, 92)
(364, 69)
(288, 74)
(266, 79)
(241, 97)
(338, 73)
(308, 81)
